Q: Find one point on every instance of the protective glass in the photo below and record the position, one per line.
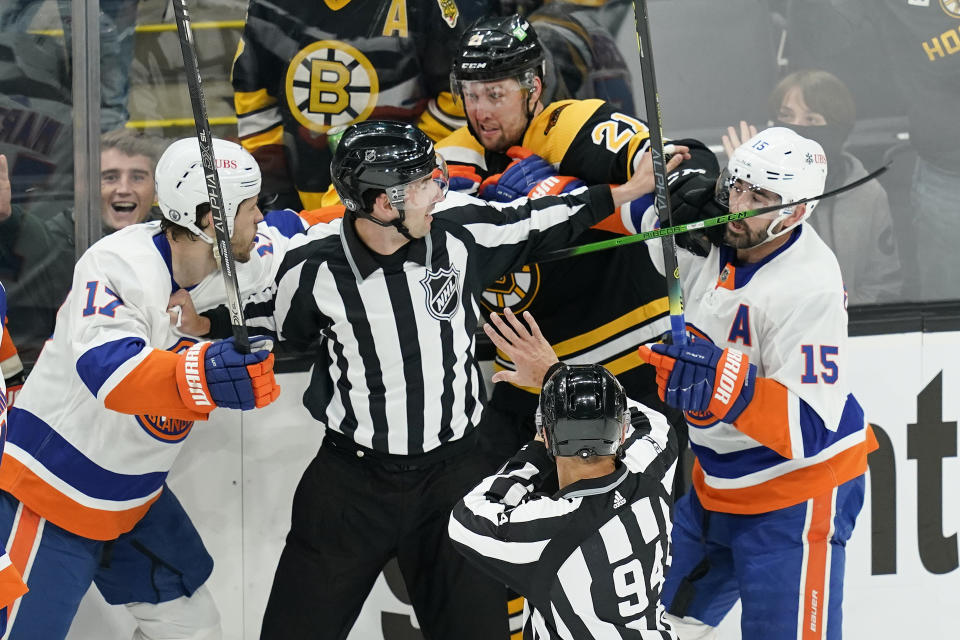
(423, 191)
(491, 95)
(737, 194)
(492, 92)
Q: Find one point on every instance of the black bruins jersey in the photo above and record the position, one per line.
(305, 68)
(595, 308)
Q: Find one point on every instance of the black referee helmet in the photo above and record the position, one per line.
(582, 412)
(379, 156)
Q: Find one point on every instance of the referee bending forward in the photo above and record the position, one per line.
(391, 289)
(590, 559)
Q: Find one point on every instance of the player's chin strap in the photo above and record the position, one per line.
(619, 241)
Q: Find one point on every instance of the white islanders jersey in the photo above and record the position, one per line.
(803, 432)
(100, 421)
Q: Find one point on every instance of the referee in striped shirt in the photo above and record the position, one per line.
(391, 289)
(590, 559)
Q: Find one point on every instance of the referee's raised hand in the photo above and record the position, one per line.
(527, 348)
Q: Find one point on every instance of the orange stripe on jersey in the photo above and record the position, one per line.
(151, 388)
(7, 348)
(816, 581)
(726, 278)
(96, 524)
(613, 223)
(765, 419)
(786, 490)
(24, 538)
(323, 214)
(11, 586)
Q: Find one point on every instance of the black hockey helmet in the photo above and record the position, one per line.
(496, 47)
(382, 155)
(582, 412)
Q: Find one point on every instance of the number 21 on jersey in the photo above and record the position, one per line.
(609, 133)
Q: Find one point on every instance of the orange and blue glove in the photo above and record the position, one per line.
(528, 175)
(215, 374)
(702, 378)
(463, 178)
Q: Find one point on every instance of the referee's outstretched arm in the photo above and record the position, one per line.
(502, 527)
(651, 446)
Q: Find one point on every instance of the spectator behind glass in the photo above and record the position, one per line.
(920, 40)
(306, 70)
(118, 18)
(42, 243)
(36, 126)
(856, 224)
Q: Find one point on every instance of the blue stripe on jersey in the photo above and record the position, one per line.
(50, 449)
(286, 221)
(163, 246)
(737, 463)
(99, 363)
(639, 207)
(3, 305)
(816, 437)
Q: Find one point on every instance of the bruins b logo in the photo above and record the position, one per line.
(515, 290)
(330, 84)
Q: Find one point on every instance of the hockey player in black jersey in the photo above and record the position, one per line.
(621, 298)
(306, 70)
(589, 559)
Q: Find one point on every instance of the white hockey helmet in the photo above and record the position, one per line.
(781, 161)
(182, 185)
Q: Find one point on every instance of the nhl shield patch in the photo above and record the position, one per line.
(443, 292)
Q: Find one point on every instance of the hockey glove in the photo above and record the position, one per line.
(215, 374)
(702, 378)
(463, 178)
(692, 200)
(528, 175)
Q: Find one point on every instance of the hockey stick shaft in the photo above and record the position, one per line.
(214, 192)
(620, 241)
(651, 100)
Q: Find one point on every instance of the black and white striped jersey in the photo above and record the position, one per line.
(399, 329)
(590, 560)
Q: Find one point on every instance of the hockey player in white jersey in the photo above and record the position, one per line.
(11, 584)
(780, 441)
(110, 401)
(590, 559)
